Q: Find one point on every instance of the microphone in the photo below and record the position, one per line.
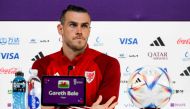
(70, 67)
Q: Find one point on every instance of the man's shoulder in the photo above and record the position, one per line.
(103, 56)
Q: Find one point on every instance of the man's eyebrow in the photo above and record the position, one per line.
(72, 22)
(84, 23)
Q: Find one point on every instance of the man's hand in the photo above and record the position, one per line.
(108, 105)
(47, 107)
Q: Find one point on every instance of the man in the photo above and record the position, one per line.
(102, 72)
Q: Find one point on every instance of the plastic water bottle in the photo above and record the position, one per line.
(34, 90)
(19, 89)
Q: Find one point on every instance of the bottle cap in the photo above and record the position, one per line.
(34, 72)
(19, 73)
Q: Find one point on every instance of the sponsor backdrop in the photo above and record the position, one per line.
(134, 44)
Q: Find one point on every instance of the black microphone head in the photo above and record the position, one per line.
(70, 67)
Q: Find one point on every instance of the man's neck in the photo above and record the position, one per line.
(71, 54)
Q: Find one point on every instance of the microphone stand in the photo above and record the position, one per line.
(70, 67)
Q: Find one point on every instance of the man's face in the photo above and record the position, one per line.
(75, 30)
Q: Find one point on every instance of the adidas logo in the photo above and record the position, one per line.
(186, 72)
(138, 80)
(157, 42)
(38, 56)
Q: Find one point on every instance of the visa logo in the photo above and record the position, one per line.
(128, 41)
(9, 56)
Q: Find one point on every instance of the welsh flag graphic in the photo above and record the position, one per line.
(63, 84)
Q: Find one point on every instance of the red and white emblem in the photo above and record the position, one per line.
(56, 74)
(89, 76)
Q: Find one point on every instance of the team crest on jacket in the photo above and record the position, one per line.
(89, 76)
(56, 74)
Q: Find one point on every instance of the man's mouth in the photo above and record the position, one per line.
(79, 37)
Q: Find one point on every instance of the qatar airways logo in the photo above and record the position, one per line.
(183, 41)
(158, 55)
(8, 70)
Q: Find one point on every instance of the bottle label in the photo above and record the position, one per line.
(33, 101)
(19, 86)
(34, 94)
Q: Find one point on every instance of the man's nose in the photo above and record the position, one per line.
(79, 29)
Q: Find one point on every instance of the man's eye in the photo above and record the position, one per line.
(85, 26)
(72, 25)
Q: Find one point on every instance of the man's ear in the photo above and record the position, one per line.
(60, 29)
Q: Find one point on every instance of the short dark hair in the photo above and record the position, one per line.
(72, 8)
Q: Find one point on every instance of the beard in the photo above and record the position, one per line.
(77, 46)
